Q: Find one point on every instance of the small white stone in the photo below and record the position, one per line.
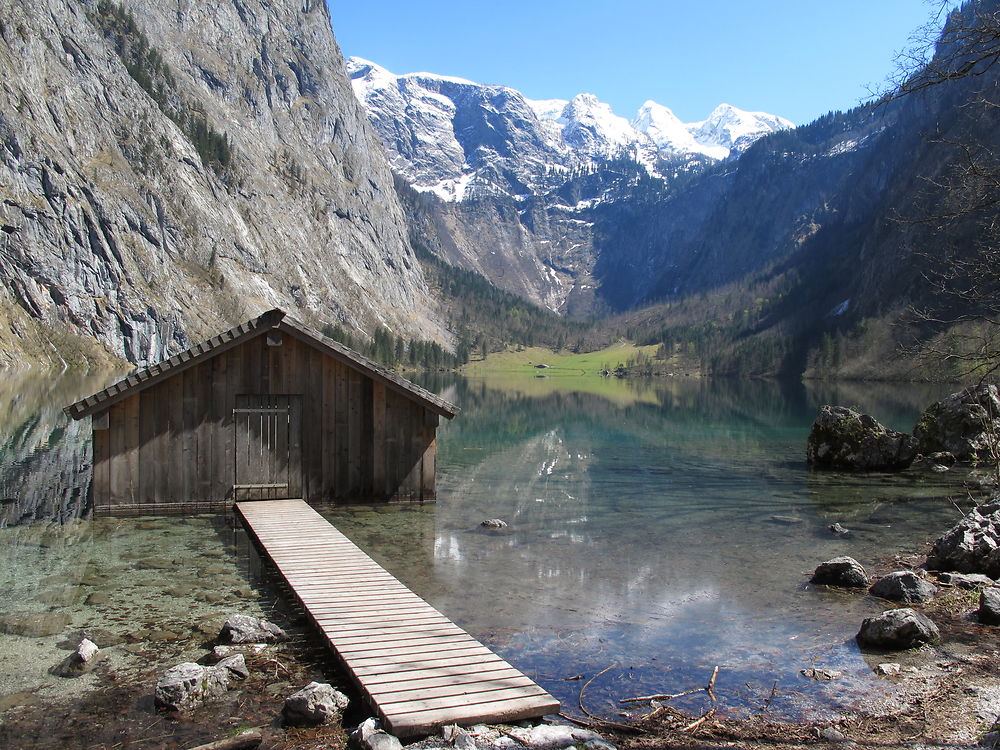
(85, 652)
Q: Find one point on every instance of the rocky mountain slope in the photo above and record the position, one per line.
(169, 169)
(509, 187)
(766, 261)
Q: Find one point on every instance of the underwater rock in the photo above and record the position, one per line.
(839, 530)
(82, 660)
(316, 703)
(841, 571)
(85, 653)
(34, 625)
(247, 629)
(844, 439)
(903, 586)
(493, 523)
(897, 630)
(188, 685)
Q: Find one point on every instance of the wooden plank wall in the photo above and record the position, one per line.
(172, 445)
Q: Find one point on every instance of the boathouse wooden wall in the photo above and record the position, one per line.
(173, 444)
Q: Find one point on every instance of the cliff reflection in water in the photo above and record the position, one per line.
(45, 457)
(668, 532)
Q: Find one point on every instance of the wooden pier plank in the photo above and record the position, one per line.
(416, 668)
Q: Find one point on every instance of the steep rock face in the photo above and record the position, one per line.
(172, 168)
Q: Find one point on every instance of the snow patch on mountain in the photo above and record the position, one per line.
(459, 139)
(734, 129)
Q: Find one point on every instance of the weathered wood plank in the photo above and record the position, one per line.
(415, 667)
(117, 459)
(101, 483)
(131, 408)
(341, 485)
(378, 441)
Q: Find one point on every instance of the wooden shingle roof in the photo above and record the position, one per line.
(259, 326)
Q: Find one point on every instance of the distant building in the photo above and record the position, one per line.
(270, 409)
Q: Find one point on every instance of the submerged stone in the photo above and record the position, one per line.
(247, 629)
(34, 625)
(316, 703)
(188, 685)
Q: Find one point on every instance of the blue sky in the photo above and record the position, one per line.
(798, 59)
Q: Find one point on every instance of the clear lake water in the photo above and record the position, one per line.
(661, 532)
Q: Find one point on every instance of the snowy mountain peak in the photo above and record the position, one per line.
(665, 129)
(734, 129)
(590, 126)
(461, 139)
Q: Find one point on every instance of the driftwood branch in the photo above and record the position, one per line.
(659, 696)
(709, 688)
(579, 699)
(699, 721)
(711, 683)
(595, 722)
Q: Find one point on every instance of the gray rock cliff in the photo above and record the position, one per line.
(170, 168)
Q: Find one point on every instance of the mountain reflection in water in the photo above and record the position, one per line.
(666, 533)
(663, 527)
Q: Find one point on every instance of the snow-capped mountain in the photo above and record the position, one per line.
(460, 139)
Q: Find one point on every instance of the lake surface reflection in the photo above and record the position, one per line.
(663, 527)
(667, 530)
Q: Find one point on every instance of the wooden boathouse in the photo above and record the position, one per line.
(270, 409)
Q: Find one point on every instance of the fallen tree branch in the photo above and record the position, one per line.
(699, 721)
(711, 683)
(596, 722)
(579, 699)
(659, 696)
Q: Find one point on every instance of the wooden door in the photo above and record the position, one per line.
(268, 447)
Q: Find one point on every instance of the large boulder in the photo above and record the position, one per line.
(188, 685)
(316, 703)
(970, 546)
(844, 439)
(965, 424)
(247, 629)
(903, 586)
(841, 571)
(897, 630)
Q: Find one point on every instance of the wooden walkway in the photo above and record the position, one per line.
(417, 669)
